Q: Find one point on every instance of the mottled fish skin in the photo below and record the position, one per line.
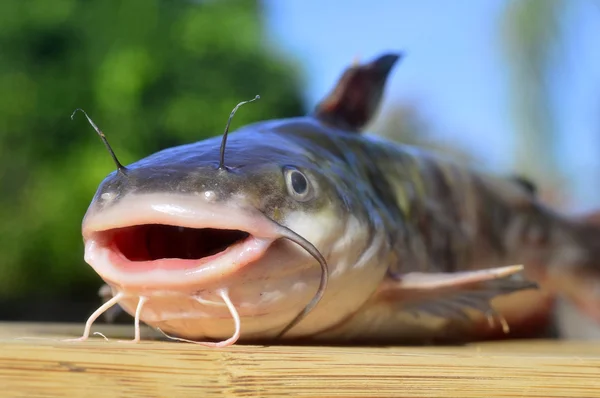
(382, 211)
(425, 213)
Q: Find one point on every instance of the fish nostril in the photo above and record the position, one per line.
(210, 196)
(108, 196)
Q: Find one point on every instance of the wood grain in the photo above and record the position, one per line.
(33, 363)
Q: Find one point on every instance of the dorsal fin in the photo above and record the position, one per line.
(357, 94)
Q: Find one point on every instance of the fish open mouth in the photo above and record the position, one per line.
(151, 242)
(156, 244)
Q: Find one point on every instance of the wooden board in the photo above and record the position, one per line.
(33, 363)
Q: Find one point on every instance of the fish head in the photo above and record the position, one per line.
(177, 229)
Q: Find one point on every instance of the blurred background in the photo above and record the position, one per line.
(513, 86)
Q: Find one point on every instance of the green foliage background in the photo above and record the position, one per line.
(151, 74)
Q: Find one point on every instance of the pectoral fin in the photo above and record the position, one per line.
(451, 295)
(425, 281)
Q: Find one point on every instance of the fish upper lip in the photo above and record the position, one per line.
(187, 211)
(179, 210)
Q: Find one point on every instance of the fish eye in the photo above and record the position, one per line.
(297, 184)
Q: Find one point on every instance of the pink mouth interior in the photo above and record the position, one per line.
(166, 246)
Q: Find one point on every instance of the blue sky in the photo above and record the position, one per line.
(454, 67)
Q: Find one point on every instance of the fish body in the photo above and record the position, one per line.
(413, 247)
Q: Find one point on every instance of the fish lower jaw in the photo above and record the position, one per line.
(202, 307)
(171, 274)
(205, 314)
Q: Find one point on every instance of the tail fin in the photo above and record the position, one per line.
(592, 218)
(579, 280)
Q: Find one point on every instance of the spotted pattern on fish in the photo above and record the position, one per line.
(415, 242)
